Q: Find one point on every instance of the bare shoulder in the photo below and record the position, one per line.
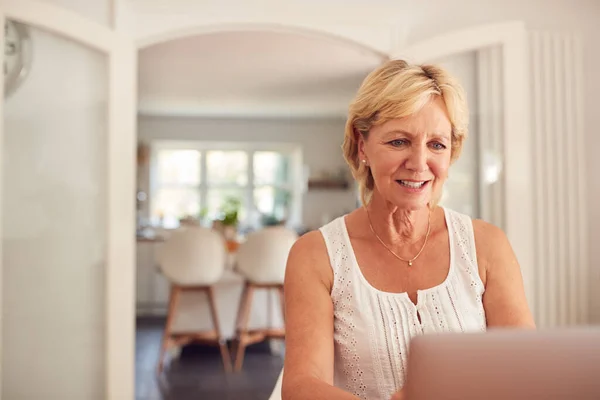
(310, 246)
(488, 234)
(504, 299)
(492, 245)
(309, 255)
(310, 242)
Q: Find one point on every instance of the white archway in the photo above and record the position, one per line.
(376, 40)
(120, 175)
(322, 32)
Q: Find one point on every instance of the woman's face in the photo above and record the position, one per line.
(409, 157)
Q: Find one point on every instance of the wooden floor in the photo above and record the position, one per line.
(198, 373)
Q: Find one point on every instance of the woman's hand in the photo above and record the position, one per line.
(398, 396)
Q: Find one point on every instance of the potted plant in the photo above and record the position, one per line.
(230, 210)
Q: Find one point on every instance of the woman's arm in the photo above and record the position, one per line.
(308, 369)
(504, 299)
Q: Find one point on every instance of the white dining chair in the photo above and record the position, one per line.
(261, 260)
(192, 259)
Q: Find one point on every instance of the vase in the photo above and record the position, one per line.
(230, 232)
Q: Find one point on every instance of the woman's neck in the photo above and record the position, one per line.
(394, 225)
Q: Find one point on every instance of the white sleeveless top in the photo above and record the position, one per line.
(372, 329)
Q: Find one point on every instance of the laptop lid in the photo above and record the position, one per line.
(505, 364)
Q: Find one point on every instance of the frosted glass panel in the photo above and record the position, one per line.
(54, 224)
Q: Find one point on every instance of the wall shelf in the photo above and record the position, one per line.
(326, 184)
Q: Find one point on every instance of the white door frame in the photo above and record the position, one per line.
(518, 161)
(120, 239)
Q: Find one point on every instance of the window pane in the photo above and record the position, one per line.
(173, 204)
(272, 202)
(271, 167)
(219, 201)
(179, 167)
(227, 167)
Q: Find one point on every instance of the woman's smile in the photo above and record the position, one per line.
(413, 186)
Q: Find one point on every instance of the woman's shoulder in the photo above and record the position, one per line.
(309, 242)
(309, 255)
(491, 244)
(315, 241)
(486, 231)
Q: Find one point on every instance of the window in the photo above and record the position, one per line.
(196, 179)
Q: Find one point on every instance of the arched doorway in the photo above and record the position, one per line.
(257, 93)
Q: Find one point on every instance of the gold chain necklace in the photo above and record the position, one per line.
(390, 250)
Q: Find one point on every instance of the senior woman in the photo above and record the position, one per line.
(359, 288)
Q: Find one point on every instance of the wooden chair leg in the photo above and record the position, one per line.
(269, 308)
(238, 319)
(215, 320)
(241, 308)
(242, 328)
(166, 339)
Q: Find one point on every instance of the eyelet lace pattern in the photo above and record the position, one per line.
(373, 329)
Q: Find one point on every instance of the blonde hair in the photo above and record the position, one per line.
(395, 90)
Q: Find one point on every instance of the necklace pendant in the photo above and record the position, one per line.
(410, 263)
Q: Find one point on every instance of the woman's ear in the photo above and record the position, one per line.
(362, 156)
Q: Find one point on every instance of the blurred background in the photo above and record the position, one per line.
(160, 158)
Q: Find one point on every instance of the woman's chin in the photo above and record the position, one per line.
(412, 204)
(404, 201)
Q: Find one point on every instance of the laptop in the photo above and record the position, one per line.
(505, 364)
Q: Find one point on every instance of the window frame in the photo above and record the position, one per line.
(296, 185)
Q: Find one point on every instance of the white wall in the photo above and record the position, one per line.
(153, 18)
(435, 17)
(320, 139)
(100, 11)
(54, 226)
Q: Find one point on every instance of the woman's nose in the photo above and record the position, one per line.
(417, 159)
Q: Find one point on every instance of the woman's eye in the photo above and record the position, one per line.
(438, 146)
(397, 142)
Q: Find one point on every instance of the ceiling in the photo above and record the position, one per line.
(253, 73)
